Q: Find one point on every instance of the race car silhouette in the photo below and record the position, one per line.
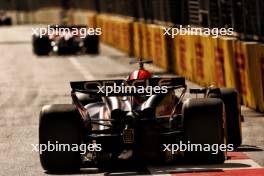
(69, 41)
(4, 19)
(135, 126)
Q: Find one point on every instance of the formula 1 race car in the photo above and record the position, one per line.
(4, 19)
(133, 125)
(65, 39)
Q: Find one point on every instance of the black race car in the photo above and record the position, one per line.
(65, 39)
(4, 19)
(134, 126)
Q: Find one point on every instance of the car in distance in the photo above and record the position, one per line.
(67, 41)
(5, 20)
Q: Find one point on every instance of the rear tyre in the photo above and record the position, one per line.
(203, 125)
(233, 118)
(233, 114)
(41, 46)
(60, 124)
(91, 44)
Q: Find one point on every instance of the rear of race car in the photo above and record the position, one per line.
(109, 128)
(65, 40)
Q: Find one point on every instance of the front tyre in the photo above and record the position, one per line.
(41, 46)
(60, 124)
(91, 44)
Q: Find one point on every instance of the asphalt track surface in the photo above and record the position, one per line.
(28, 82)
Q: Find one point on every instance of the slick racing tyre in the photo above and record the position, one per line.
(60, 124)
(233, 116)
(41, 46)
(91, 44)
(203, 125)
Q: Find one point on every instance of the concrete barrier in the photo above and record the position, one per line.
(137, 40)
(259, 76)
(147, 40)
(255, 75)
(243, 53)
(117, 31)
(49, 16)
(91, 19)
(183, 47)
(202, 61)
(223, 62)
(159, 47)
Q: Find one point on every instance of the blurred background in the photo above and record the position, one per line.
(245, 16)
(136, 27)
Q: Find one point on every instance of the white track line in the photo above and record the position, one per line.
(84, 71)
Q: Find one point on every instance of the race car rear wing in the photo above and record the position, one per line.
(99, 87)
(127, 87)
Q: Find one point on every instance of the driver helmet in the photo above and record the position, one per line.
(139, 75)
